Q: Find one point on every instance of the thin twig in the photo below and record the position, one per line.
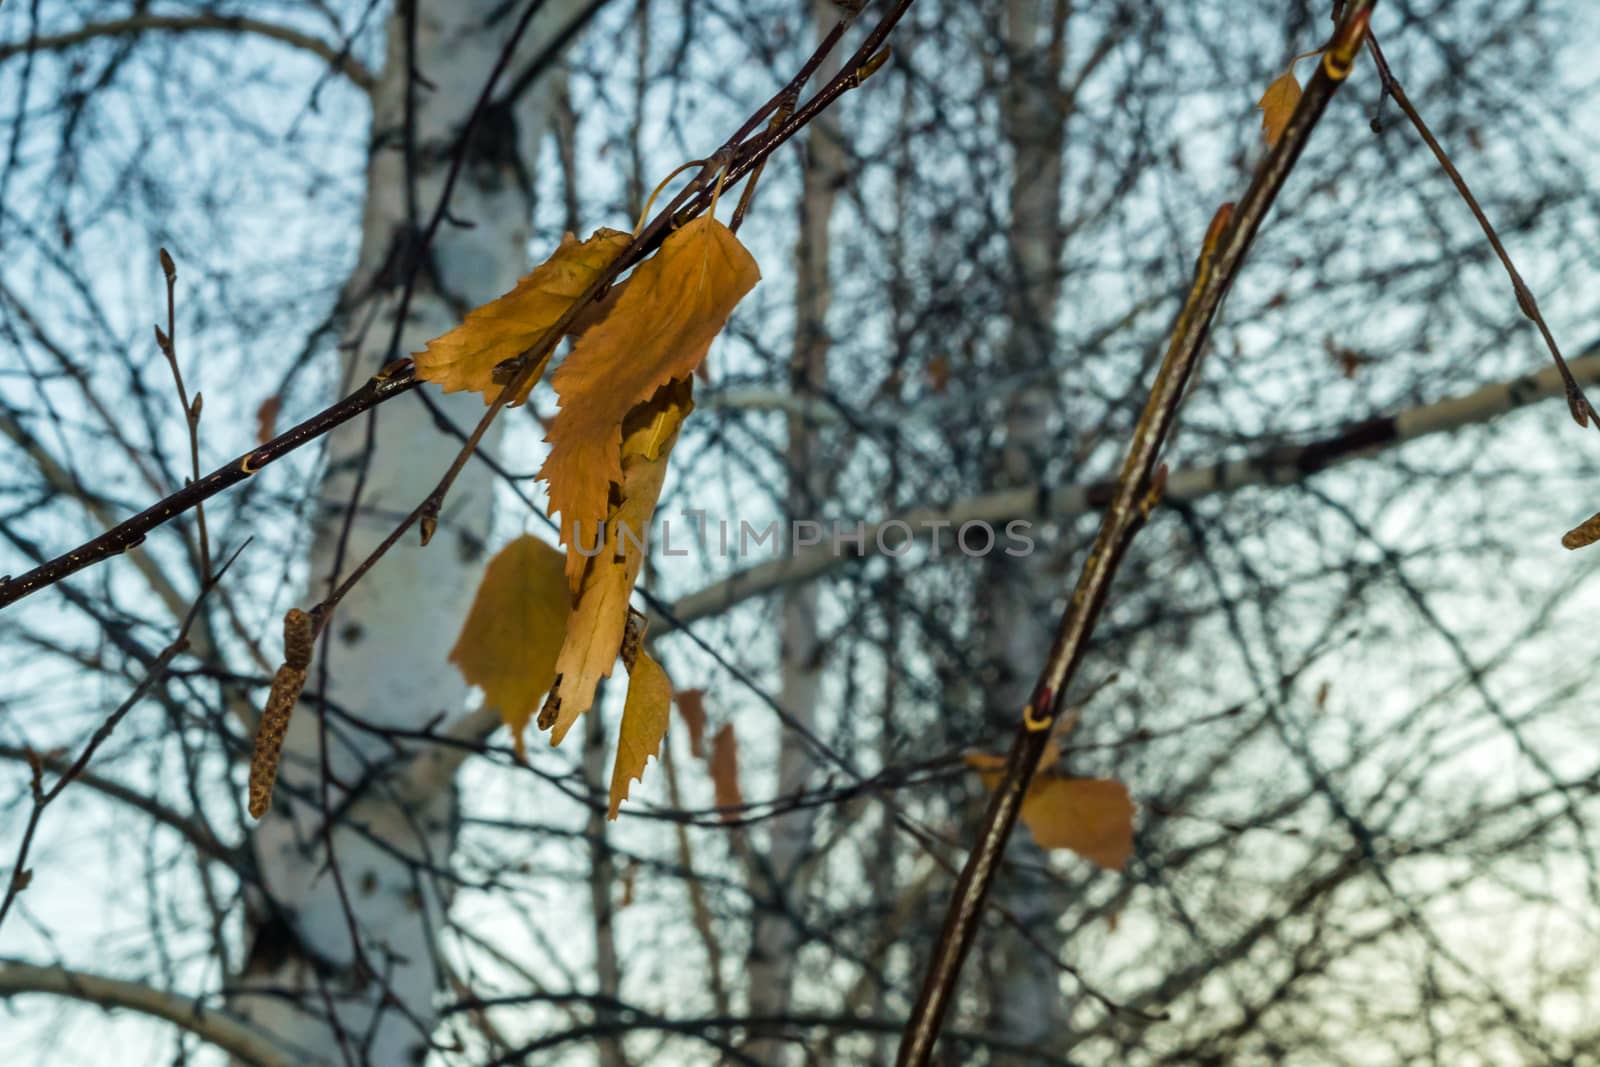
(42, 797)
(338, 60)
(387, 383)
(191, 411)
(1583, 412)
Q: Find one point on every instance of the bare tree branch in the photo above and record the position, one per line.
(209, 22)
(196, 832)
(219, 1028)
(1280, 465)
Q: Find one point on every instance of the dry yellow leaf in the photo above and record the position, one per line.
(692, 706)
(507, 326)
(644, 724)
(267, 419)
(1091, 816)
(725, 772)
(1277, 105)
(648, 434)
(517, 624)
(991, 766)
(672, 308)
(599, 615)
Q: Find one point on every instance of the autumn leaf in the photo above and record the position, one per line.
(1090, 816)
(516, 626)
(725, 772)
(644, 724)
(506, 327)
(991, 766)
(1277, 105)
(692, 707)
(988, 765)
(267, 419)
(649, 432)
(660, 330)
(608, 569)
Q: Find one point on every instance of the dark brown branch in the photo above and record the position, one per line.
(249, 1043)
(191, 829)
(1137, 489)
(129, 534)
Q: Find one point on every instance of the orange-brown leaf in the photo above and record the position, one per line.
(1277, 105)
(517, 624)
(1091, 816)
(267, 419)
(644, 724)
(605, 578)
(725, 772)
(504, 328)
(648, 434)
(692, 707)
(991, 766)
(672, 308)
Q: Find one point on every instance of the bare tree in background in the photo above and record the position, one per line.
(1342, 673)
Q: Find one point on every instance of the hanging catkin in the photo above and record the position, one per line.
(297, 638)
(1585, 533)
(286, 686)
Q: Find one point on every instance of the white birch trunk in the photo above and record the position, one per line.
(602, 880)
(387, 644)
(774, 940)
(1026, 1002)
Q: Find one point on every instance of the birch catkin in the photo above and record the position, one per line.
(297, 638)
(286, 686)
(1585, 533)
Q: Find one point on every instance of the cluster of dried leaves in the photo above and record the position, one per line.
(546, 627)
(548, 624)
